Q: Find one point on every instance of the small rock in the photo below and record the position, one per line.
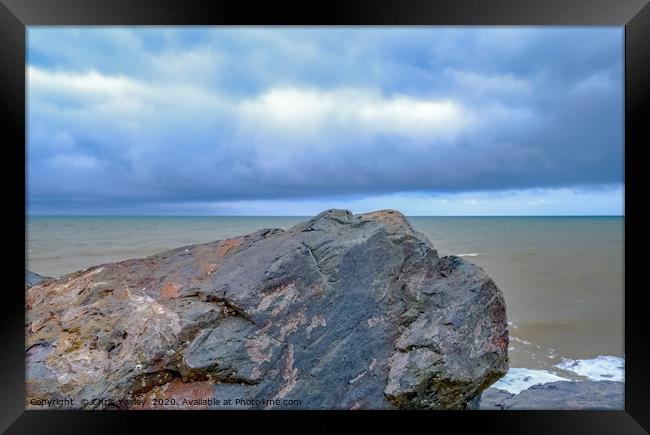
(573, 395)
(32, 278)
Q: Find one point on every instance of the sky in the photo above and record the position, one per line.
(296, 120)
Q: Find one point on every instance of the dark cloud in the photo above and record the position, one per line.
(169, 115)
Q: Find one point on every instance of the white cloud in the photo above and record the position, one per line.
(89, 84)
(286, 112)
(308, 113)
(113, 93)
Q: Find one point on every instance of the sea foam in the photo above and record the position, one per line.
(518, 379)
(601, 368)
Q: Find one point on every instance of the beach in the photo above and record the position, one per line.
(562, 277)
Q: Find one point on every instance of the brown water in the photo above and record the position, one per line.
(562, 277)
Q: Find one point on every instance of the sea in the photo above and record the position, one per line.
(562, 277)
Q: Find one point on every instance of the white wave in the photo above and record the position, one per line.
(473, 254)
(518, 379)
(601, 368)
(519, 340)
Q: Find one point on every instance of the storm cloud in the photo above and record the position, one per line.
(210, 117)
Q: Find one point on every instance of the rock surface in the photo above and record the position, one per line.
(574, 395)
(490, 399)
(341, 311)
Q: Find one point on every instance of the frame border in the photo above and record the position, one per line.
(16, 15)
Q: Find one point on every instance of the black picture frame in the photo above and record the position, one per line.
(16, 15)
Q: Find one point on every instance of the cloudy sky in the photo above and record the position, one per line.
(286, 121)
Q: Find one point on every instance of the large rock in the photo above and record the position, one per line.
(573, 395)
(341, 311)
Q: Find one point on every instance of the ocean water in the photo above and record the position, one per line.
(562, 277)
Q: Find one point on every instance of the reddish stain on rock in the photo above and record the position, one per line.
(498, 312)
(171, 290)
(209, 269)
(500, 342)
(179, 395)
(227, 246)
(391, 217)
(121, 294)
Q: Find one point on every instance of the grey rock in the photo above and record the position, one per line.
(32, 278)
(490, 399)
(572, 395)
(341, 311)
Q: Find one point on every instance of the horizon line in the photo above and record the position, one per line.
(310, 215)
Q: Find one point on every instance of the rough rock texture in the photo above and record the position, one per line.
(575, 395)
(341, 311)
